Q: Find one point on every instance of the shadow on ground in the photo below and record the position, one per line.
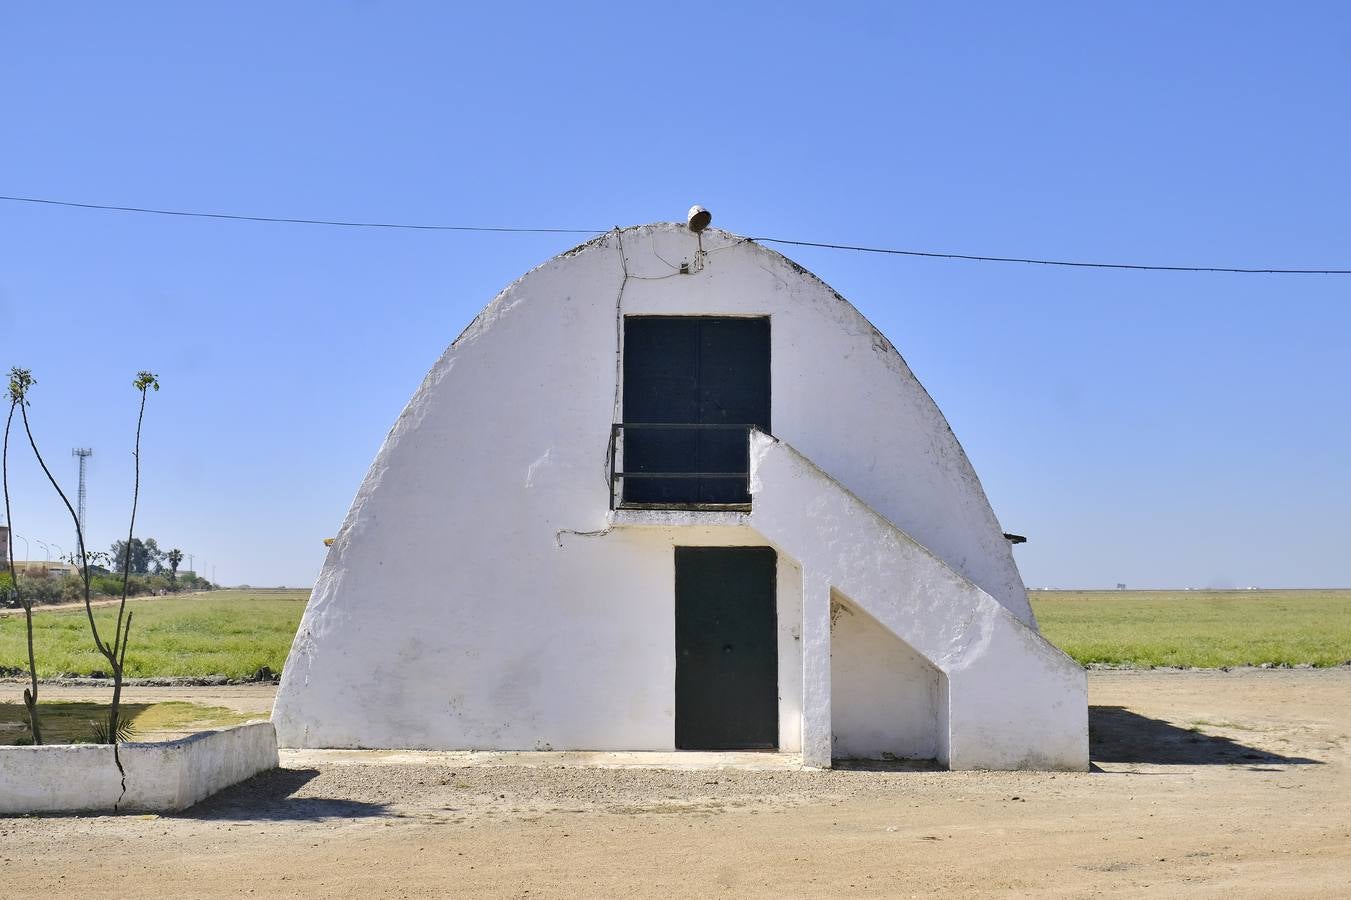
(65, 721)
(270, 797)
(886, 765)
(1115, 734)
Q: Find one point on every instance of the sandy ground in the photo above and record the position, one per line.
(244, 698)
(1207, 784)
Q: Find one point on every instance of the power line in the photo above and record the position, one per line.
(340, 223)
(768, 240)
(1056, 262)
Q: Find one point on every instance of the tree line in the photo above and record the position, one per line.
(144, 557)
(149, 571)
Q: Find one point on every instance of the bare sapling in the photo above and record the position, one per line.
(114, 651)
(144, 382)
(19, 382)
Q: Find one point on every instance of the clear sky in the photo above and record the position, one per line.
(1148, 428)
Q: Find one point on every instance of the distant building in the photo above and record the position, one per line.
(41, 567)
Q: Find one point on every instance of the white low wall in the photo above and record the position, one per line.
(158, 777)
(58, 778)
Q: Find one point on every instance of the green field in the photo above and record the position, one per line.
(231, 633)
(235, 633)
(1204, 629)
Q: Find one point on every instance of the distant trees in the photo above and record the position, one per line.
(41, 588)
(143, 557)
(139, 557)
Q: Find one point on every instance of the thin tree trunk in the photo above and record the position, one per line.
(116, 652)
(119, 655)
(117, 700)
(30, 694)
(79, 532)
(103, 648)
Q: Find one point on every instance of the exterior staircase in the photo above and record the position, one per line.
(1008, 698)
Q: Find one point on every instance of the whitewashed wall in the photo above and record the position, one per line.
(163, 776)
(530, 634)
(883, 695)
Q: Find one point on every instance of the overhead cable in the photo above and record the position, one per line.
(929, 254)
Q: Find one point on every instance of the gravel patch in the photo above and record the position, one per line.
(449, 792)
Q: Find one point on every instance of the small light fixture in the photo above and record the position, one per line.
(698, 219)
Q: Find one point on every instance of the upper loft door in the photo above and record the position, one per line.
(692, 374)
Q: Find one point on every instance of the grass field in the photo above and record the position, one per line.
(231, 633)
(235, 633)
(1204, 629)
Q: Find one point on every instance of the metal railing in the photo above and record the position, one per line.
(683, 487)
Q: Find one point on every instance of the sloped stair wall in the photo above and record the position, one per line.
(1008, 699)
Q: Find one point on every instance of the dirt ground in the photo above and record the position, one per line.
(244, 698)
(1206, 784)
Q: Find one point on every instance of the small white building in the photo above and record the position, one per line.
(670, 491)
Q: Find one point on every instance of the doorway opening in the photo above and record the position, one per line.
(693, 388)
(727, 660)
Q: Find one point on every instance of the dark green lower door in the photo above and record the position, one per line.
(727, 660)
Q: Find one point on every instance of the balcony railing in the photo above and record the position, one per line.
(679, 466)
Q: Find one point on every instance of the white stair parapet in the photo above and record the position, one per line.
(1010, 699)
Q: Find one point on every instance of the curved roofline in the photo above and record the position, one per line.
(725, 240)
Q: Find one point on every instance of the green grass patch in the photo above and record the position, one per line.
(1202, 629)
(230, 633)
(235, 633)
(68, 722)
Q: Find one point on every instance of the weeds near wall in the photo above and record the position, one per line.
(98, 732)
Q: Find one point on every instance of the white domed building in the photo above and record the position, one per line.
(671, 492)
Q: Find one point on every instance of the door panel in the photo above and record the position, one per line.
(661, 386)
(733, 390)
(692, 370)
(727, 686)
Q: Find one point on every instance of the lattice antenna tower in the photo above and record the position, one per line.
(83, 453)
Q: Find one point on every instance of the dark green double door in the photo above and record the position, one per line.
(727, 682)
(691, 385)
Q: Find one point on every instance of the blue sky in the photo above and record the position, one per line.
(1147, 428)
